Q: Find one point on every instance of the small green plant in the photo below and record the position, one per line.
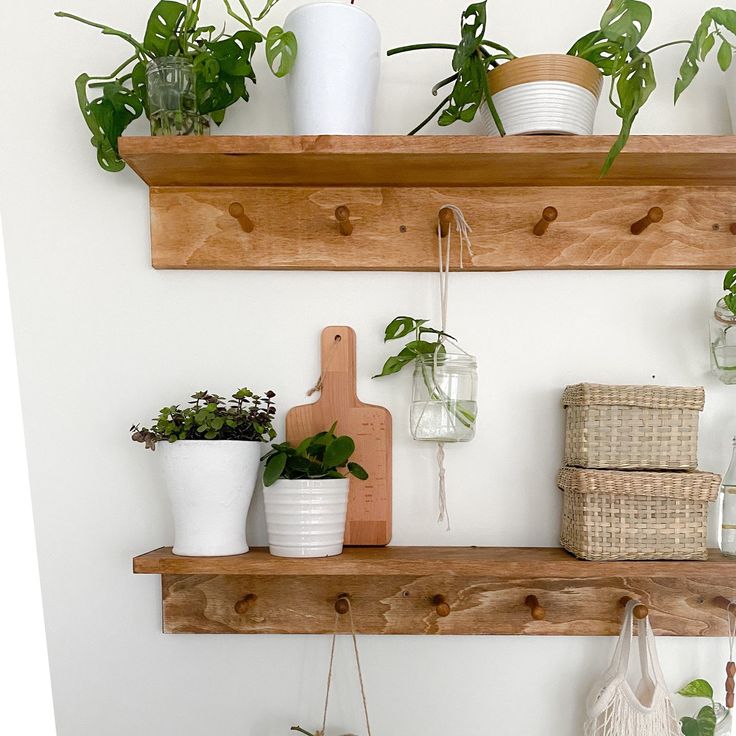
(729, 286)
(323, 456)
(222, 63)
(614, 47)
(704, 723)
(417, 331)
(246, 417)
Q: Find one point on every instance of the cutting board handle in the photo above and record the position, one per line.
(338, 364)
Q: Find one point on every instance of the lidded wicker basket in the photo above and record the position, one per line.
(630, 515)
(632, 427)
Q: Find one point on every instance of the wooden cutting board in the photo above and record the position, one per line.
(369, 506)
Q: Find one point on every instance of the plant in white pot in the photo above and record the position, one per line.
(210, 452)
(305, 490)
(334, 81)
(558, 93)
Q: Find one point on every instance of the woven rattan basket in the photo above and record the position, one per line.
(630, 515)
(637, 427)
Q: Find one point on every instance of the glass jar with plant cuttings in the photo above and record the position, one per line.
(172, 98)
(723, 343)
(444, 397)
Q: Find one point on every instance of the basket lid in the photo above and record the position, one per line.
(649, 397)
(693, 485)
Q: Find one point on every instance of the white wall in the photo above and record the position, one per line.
(104, 340)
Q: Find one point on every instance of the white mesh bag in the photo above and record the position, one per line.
(614, 708)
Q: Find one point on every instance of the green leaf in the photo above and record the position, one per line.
(626, 22)
(598, 50)
(725, 56)
(401, 327)
(689, 726)
(161, 32)
(281, 50)
(358, 471)
(697, 689)
(707, 720)
(729, 280)
(338, 452)
(274, 467)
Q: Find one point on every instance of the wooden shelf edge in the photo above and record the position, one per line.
(495, 562)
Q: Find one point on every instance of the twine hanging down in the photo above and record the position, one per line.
(357, 663)
(731, 665)
(444, 253)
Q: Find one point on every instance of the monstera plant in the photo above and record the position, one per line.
(616, 48)
(221, 63)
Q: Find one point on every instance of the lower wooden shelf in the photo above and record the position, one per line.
(393, 590)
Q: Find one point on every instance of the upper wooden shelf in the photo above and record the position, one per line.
(494, 562)
(420, 161)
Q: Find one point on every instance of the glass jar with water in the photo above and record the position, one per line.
(444, 397)
(172, 98)
(723, 343)
(727, 527)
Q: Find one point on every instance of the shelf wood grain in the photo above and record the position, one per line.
(418, 161)
(394, 590)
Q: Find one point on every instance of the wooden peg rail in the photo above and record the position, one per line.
(385, 192)
(439, 590)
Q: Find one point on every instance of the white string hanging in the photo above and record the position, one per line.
(444, 251)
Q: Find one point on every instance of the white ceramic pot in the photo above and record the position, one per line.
(334, 82)
(546, 93)
(210, 484)
(306, 518)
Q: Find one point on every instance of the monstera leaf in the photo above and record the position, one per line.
(162, 31)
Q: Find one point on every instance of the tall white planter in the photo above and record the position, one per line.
(306, 518)
(210, 484)
(334, 82)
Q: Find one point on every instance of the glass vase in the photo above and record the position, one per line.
(444, 398)
(172, 98)
(727, 509)
(723, 343)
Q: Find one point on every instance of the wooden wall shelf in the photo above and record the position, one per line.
(394, 590)
(254, 202)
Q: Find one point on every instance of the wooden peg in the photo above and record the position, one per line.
(441, 606)
(654, 215)
(724, 603)
(342, 215)
(732, 228)
(245, 603)
(236, 210)
(342, 604)
(548, 215)
(446, 218)
(730, 673)
(537, 611)
(640, 610)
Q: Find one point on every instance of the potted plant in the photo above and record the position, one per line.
(333, 86)
(558, 93)
(305, 489)
(210, 452)
(723, 334)
(712, 719)
(181, 75)
(444, 403)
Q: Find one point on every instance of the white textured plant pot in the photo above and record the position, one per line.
(210, 484)
(306, 518)
(334, 82)
(547, 93)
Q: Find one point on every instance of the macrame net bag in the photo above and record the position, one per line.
(615, 708)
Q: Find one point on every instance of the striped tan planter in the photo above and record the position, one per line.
(547, 93)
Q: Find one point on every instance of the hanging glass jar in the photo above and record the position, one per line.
(723, 343)
(444, 401)
(727, 515)
(172, 98)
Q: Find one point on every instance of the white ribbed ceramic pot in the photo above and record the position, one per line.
(210, 485)
(334, 82)
(546, 93)
(306, 518)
